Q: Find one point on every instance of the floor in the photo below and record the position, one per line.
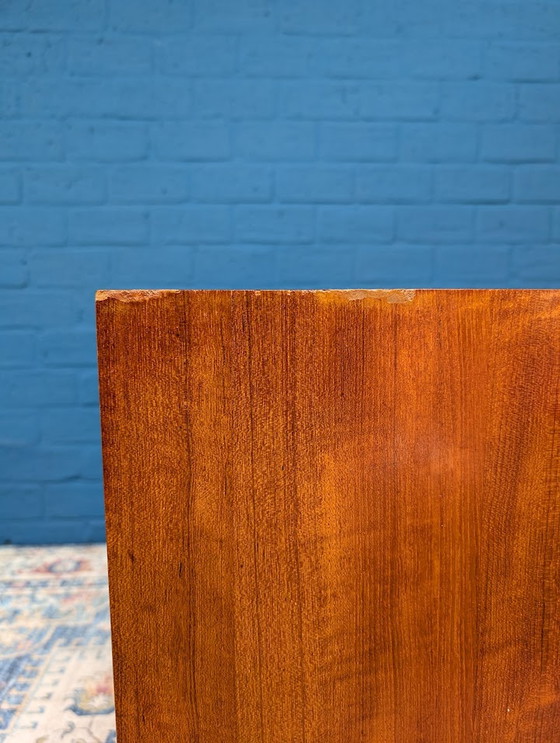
(55, 646)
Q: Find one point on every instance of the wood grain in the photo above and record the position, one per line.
(333, 517)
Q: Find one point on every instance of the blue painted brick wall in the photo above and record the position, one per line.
(256, 143)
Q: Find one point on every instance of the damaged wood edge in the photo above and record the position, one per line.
(132, 295)
(392, 296)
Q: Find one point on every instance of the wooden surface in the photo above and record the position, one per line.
(333, 517)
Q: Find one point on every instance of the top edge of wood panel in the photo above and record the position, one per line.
(393, 296)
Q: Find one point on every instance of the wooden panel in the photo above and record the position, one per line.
(333, 517)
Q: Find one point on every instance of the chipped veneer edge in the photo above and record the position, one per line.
(132, 295)
(393, 296)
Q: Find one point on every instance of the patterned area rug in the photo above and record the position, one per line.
(55, 646)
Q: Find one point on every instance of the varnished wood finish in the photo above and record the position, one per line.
(333, 517)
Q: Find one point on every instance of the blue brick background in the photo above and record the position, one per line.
(255, 143)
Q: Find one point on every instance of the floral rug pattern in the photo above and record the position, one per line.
(56, 683)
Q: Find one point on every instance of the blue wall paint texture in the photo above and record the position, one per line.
(246, 144)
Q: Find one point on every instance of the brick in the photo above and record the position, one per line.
(471, 265)
(64, 184)
(477, 101)
(83, 299)
(355, 142)
(75, 425)
(402, 265)
(165, 97)
(234, 99)
(356, 224)
(315, 144)
(314, 184)
(518, 283)
(523, 61)
(556, 224)
(513, 224)
(28, 54)
(69, 268)
(406, 101)
(40, 464)
(17, 348)
(88, 388)
(518, 143)
(244, 15)
(148, 184)
(31, 226)
(539, 102)
(126, 98)
(20, 502)
(407, 19)
(10, 186)
(309, 17)
(537, 184)
(315, 267)
(30, 140)
(38, 309)
(192, 141)
(444, 59)
(106, 141)
(382, 20)
(36, 388)
(275, 56)
(53, 15)
(191, 224)
(154, 15)
(13, 269)
(353, 58)
(472, 184)
(106, 226)
(312, 99)
(109, 55)
(89, 467)
(534, 21)
(201, 55)
(168, 267)
(241, 267)
(19, 428)
(95, 531)
(9, 99)
(45, 532)
(68, 348)
(438, 142)
(435, 224)
(394, 184)
(239, 183)
(538, 263)
(274, 224)
(275, 141)
(74, 500)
